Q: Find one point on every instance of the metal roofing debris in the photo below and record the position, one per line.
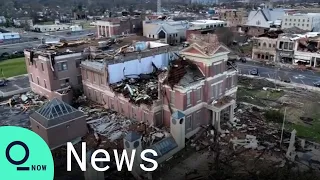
(163, 147)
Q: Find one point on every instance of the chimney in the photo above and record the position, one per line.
(177, 128)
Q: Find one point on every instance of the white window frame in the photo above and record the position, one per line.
(60, 65)
(172, 96)
(189, 103)
(191, 123)
(198, 90)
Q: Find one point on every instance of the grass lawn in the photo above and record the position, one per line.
(13, 67)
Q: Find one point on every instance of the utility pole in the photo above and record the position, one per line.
(284, 119)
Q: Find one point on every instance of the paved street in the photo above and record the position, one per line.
(306, 77)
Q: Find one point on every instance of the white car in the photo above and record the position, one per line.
(46, 34)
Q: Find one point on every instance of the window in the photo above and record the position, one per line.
(42, 67)
(94, 77)
(152, 36)
(294, 24)
(294, 20)
(269, 45)
(267, 57)
(38, 81)
(264, 44)
(145, 116)
(259, 44)
(87, 74)
(290, 19)
(79, 78)
(289, 24)
(219, 88)
(188, 98)
(298, 20)
(259, 56)
(285, 45)
(303, 20)
(64, 82)
(62, 66)
(291, 46)
(285, 23)
(78, 63)
(198, 95)
(189, 123)
(302, 24)
(134, 112)
(274, 45)
(31, 78)
(286, 20)
(307, 25)
(298, 24)
(45, 83)
(172, 97)
(262, 56)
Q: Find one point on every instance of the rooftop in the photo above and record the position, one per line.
(102, 44)
(55, 112)
(201, 22)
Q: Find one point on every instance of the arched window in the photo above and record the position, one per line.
(264, 44)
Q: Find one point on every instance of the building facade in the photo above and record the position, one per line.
(233, 17)
(308, 22)
(57, 117)
(285, 49)
(119, 26)
(169, 32)
(264, 49)
(54, 75)
(200, 85)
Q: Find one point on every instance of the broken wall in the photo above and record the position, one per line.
(118, 72)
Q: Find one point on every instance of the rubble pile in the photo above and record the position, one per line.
(142, 90)
(25, 101)
(108, 128)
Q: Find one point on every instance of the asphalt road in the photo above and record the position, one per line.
(306, 77)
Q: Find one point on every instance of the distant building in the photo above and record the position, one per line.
(23, 22)
(265, 18)
(309, 21)
(233, 17)
(51, 28)
(170, 32)
(119, 26)
(58, 123)
(9, 36)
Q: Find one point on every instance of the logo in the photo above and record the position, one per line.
(24, 154)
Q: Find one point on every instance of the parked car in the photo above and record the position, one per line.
(243, 59)
(317, 83)
(254, 72)
(3, 82)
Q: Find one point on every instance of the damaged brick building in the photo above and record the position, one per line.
(150, 84)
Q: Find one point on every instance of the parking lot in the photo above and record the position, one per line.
(16, 85)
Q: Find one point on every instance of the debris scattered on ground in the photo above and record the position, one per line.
(25, 101)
